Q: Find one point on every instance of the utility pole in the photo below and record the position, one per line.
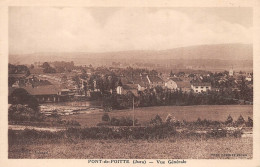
(133, 111)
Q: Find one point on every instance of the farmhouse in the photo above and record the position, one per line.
(155, 81)
(171, 83)
(200, 87)
(177, 84)
(45, 93)
(185, 86)
(124, 89)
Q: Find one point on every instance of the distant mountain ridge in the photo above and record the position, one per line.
(218, 51)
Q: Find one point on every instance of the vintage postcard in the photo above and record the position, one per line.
(140, 83)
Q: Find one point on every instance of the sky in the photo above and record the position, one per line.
(108, 29)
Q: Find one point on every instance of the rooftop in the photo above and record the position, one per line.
(183, 84)
(42, 90)
(154, 78)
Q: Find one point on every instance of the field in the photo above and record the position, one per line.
(188, 113)
(134, 149)
(168, 148)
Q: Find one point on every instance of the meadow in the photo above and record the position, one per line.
(172, 147)
(187, 113)
(221, 148)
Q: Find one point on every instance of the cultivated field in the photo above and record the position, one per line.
(133, 149)
(188, 113)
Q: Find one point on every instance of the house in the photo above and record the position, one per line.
(124, 89)
(199, 87)
(178, 84)
(249, 77)
(231, 72)
(155, 81)
(185, 86)
(45, 93)
(140, 80)
(171, 84)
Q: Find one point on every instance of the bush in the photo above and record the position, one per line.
(156, 121)
(21, 113)
(205, 122)
(114, 121)
(250, 122)
(73, 123)
(240, 120)
(229, 120)
(105, 117)
(123, 121)
(217, 133)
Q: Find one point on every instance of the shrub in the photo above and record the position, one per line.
(237, 133)
(229, 120)
(105, 117)
(250, 122)
(198, 121)
(114, 121)
(18, 112)
(123, 121)
(217, 133)
(156, 121)
(240, 120)
(168, 118)
(73, 123)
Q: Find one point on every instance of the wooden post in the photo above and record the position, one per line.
(133, 111)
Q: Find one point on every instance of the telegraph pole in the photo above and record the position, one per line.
(133, 111)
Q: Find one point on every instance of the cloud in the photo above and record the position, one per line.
(33, 29)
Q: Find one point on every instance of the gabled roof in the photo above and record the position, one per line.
(154, 78)
(42, 90)
(183, 84)
(175, 79)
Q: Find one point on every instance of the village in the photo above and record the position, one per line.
(70, 89)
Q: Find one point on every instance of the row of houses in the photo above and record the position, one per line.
(45, 91)
(137, 85)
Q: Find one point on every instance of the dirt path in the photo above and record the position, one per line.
(23, 127)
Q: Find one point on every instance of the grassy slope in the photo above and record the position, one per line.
(136, 149)
(188, 113)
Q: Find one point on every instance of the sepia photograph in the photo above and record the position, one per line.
(124, 83)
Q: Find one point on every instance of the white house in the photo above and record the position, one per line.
(249, 78)
(201, 87)
(170, 84)
(231, 72)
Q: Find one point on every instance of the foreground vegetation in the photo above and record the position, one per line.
(169, 138)
(170, 148)
(187, 113)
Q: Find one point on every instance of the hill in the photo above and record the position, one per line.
(219, 53)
